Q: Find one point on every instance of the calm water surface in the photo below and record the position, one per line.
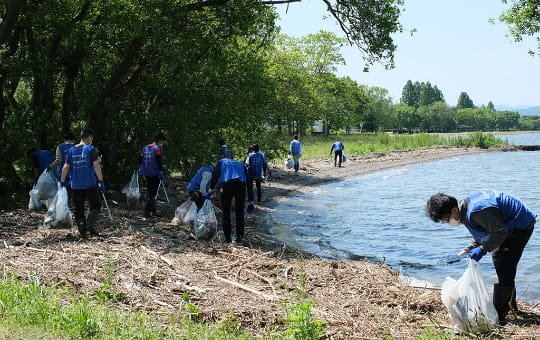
(382, 215)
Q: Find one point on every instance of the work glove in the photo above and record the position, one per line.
(452, 258)
(101, 186)
(161, 176)
(477, 253)
(63, 184)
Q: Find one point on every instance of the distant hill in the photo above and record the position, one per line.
(522, 110)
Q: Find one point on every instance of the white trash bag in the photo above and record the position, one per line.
(343, 158)
(468, 301)
(181, 211)
(191, 214)
(46, 185)
(206, 222)
(35, 203)
(58, 215)
(132, 191)
(289, 163)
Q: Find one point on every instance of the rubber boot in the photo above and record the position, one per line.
(91, 222)
(513, 303)
(82, 228)
(501, 300)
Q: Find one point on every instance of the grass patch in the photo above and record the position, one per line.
(318, 146)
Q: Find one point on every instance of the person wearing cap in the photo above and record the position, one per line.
(151, 167)
(499, 223)
(257, 170)
(225, 151)
(232, 177)
(296, 152)
(337, 148)
(84, 170)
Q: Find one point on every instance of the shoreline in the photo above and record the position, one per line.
(157, 262)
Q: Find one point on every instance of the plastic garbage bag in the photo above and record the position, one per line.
(206, 222)
(58, 215)
(468, 301)
(343, 158)
(191, 214)
(132, 191)
(289, 163)
(181, 211)
(34, 203)
(46, 185)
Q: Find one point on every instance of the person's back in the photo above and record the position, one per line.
(82, 170)
(256, 165)
(149, 163)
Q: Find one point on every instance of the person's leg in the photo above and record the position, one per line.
(93, 196)
(152, 184)
(335, 158)
(296, 160)
(239, 202)
(78, 203)
(505, 260)
(226, 198)
(340, 153)
(258, 182)
(250, 189)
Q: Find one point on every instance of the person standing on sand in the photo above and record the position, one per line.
(86, 178)
(296, 152)
(500, 224)
(151, 168)
(337, 148)
(257, 170)
(232, 176)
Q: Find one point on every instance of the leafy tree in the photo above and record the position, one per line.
(480, 119)
(407, 118)
(491, 106)
(523, 19)
(437, 117)
(464, 102)
(506, 120)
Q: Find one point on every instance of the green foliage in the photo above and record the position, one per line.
(464, 102)
(107, 291)
(523, 20)
(301, 323)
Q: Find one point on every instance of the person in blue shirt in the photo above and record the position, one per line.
(232, 177)
(199, 185)
(225, 151)
(151, 167)
(257, 170)
(82, 165)
(62, 150)
(337, 148)
(296, 152)
(39, 160)
(499, 223)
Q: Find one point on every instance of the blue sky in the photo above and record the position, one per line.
(455, 48)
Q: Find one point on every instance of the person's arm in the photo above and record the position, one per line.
(58, 157)
(215, 176)
(332, 148)
(65, 171)
(491, 220)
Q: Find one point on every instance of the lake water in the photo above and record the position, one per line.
(381, 216)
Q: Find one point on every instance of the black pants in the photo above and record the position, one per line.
(336, 155)
(236, 190)
(258, 182)
(506, 257)
(152, 185)
(79, 197)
